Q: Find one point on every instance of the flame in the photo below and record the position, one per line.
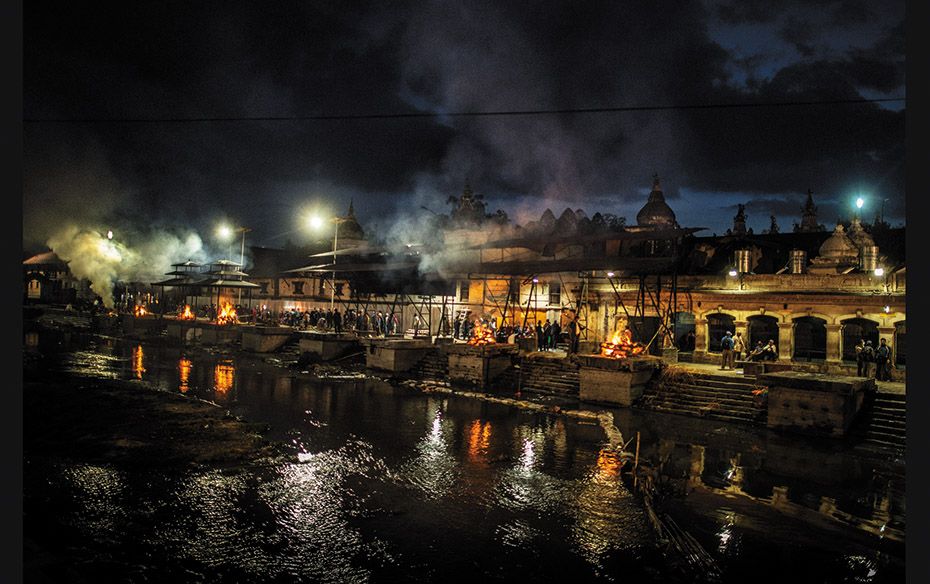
(621, 346)
(139, 310)
(227, 314)
(482, 335)
(187, 313)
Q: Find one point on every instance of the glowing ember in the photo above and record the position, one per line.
(227, 314)
(186, 314)
(622, 346)
(139, 310)
(482, 335)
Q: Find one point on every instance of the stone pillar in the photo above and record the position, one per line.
(834, 350)
(700, 336)
(786, 341)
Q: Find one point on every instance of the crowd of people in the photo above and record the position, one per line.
(871, 361)
(733, 347)
(880, 356)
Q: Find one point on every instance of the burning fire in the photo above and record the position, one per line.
(482, 335)
(227, 314)
(621, 346)
(186, 314)
(139, 310)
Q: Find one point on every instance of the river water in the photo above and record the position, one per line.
(383, 483)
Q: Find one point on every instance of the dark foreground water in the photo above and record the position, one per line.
(387, 484)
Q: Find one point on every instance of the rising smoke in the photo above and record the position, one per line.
(128, 257)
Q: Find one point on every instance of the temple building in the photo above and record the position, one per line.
(814, 292)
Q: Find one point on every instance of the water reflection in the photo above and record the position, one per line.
(138, 367)
(184, 374)
(433, 470)
(380, 478)
(31, 340)
(224, 377)
(479, 439)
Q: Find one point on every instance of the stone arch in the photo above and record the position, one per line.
(761, 327)
(718, 323)
(854, 329)
(824, 317)
(810, 338)
(684, 330)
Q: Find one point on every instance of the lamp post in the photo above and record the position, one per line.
(315, 222)
(226, 232)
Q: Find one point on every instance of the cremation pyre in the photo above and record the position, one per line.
(621, 346)
(482, 335)
(227, 314)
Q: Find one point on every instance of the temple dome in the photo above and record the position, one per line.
(838, 246)
(859, 236)
(656, 212)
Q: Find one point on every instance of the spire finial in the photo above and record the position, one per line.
(351, 209)
(655, 181)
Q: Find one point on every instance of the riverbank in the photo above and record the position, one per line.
(130, 423)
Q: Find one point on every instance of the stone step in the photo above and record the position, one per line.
(886, 437)
(707, 390)
(729, 408)
(706, 413)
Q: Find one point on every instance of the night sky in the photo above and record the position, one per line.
(187, 61)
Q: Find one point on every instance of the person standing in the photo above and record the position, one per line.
(547, 335)
(860, 358)
(337, 321)
(868, 356)
(726, 346)
(556, 333)
(738, 347)
(540, 336)
(882, 356)
(573, 337)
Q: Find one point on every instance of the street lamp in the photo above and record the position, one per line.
(315, 222)
(225, 232)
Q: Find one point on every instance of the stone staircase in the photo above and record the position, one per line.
(705, 395)
(883, 421)
(433, 367)
(545, 375)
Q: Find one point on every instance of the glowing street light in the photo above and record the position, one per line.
(859, 202)
(316, 222)
(733, 273)
(225, 233)
(110, 234)
(879, 272)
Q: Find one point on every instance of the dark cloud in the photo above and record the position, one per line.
(309, 58)
(799, 33)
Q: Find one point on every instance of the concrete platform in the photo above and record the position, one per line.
(265, 339)
(479, 365)
(395, 356)
(814, 403)
(327, 346)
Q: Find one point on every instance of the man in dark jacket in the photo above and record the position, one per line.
(882, 356)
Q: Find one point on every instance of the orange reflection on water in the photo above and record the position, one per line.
(608, 463)
(137, 355)
(479, 438)
(184, 373)
(224, 374)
